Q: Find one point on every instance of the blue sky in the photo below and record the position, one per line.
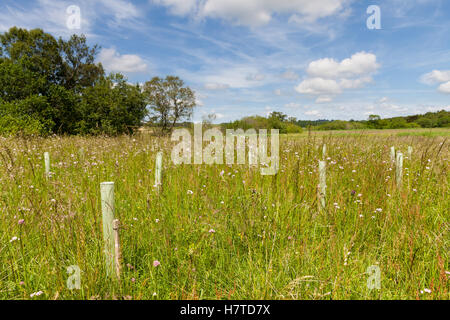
(309, 59)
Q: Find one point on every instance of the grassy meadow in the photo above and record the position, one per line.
(227, 232)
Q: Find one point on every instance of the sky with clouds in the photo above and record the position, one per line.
(309, 59)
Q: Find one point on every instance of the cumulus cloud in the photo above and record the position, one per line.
(319, 86)
(436, 76)
(441, 77)
(328, 77)
(113, 61)
(445, 87)
(255, 12)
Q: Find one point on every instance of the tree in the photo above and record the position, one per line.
(54, 86)
(111, 106)
(374, 121)
(78, 68)
(170, 101)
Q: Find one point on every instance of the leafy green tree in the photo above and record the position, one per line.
(55, 86)
(111, 106)
(169, 100)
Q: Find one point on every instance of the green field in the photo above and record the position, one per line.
(233, 234)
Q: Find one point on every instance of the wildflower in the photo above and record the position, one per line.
(353, 192)
(154, 294)
(212, 231)
(133, 280)
(36, 294)
(190, 192)
(14, 239)
(156, 263)
(21, 221)
(21, 283)
(157, 220)
(289, 238)
(379, 210)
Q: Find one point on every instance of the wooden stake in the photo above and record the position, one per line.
(399, 169)
(324, 151)
(107, 194)
(158, 170)
(47, 164)
(117, 256)
(322, 185)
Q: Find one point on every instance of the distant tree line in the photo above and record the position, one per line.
(54, 86)
(440, 119)
(275, 120)
(278, 120)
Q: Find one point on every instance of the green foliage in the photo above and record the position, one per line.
(276, 120)
(54, 86)
(111, 106)
(169, 100)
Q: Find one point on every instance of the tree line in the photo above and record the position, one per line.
(286, 124)
(55, 86)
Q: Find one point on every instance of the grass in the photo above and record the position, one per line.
(270, 240)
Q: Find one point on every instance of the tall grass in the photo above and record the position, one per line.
(226, 232)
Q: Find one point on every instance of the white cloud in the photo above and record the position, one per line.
(360, 63)
(318, 86)
(113, 61)
(278, 92)
(438, 76)
(255, 12)
(328, 77)
(445, 87)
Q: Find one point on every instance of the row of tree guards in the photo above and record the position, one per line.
(111, 225)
